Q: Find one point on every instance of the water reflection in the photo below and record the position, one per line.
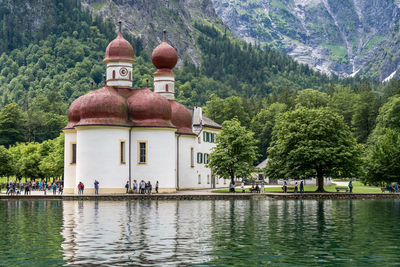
(217, 233)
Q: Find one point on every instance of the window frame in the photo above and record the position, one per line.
(192, 157)
(199, 157)
(73, 156)
(145, 162)
(122, 152)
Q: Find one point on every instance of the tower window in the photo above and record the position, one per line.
(73, 153)
(166, 87)
(142, 152)
(199, 179)
(113, 74)
(122, 152)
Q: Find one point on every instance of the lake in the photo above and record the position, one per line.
(200, 233)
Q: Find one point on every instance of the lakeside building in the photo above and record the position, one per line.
(117, 133)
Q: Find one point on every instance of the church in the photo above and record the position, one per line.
(117, 134)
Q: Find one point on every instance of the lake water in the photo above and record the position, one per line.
(192, 233)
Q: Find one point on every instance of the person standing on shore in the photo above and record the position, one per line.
(157, 187)
(149, 188)
(135, 186)
(96, 187)
(242, 187)
(284, 187)
(127, 187)
(301, 187)
(351, 186)
(262, 188)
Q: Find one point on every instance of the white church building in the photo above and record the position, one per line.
(117, 133)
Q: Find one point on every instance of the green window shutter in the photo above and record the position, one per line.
(199, 158)
(212, 138)
(208, 137)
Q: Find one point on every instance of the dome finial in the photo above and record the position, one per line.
(120, 26)
(164, 34)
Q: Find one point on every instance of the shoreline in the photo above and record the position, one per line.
(211, 196)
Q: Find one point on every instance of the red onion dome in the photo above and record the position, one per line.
(181, 118)
(103, 107)
(74, 113)
(164, 56)
(119, 50)
(149, 109)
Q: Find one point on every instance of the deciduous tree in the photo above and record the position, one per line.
(235, 152)
(311, 143)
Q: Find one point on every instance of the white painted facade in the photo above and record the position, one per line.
(98, 157)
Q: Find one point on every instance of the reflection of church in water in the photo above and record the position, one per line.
(118, 133)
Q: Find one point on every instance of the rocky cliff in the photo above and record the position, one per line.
(148, 18)
(335, 36)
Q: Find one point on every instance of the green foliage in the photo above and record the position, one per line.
(383, 165)
(365, 111)
(235, 152)
(221, 110)
(263, 124)
(313, 143)
(34, 160)
(12, 125)
(383, 151)
(310, 98)
(5, 162)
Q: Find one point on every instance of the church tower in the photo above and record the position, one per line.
(164, 58)
(119, 58)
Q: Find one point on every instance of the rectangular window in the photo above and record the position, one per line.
(212, 137)
(191, 157)
(73, 153)
(199, 157)
(206, 158)
(199, 179)
(207, 137)
(142, 152)
(122, 152)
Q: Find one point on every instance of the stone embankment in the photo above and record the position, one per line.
(210, 196)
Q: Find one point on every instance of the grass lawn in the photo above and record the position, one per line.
(358, 187)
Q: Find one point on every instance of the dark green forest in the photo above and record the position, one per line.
(42, 70)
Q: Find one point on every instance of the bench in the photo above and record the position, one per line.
(341, 188)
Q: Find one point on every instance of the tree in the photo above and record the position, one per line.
(5, 162)
(11, 125)
(235, 152)
(263, 124)
(365, 112)
(310, 98)
(52, 164)
(383, 151)
(310, 143)
(382, 159)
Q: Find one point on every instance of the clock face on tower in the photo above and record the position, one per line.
(123, 72)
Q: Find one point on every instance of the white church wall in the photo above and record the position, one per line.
(198, 176)
(98, 157)
(187, 171)
(161, 157)
(69, 167)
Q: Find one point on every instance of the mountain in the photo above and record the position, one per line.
(343, 37)
(147, 19)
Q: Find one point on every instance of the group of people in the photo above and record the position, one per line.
(296, 187)
(14, 188)
(393, 188)
(142, 187)
(257, 188)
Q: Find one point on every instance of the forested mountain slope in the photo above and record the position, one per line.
(334, 36)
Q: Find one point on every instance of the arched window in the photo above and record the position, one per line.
(113, 74)
(199, 179)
